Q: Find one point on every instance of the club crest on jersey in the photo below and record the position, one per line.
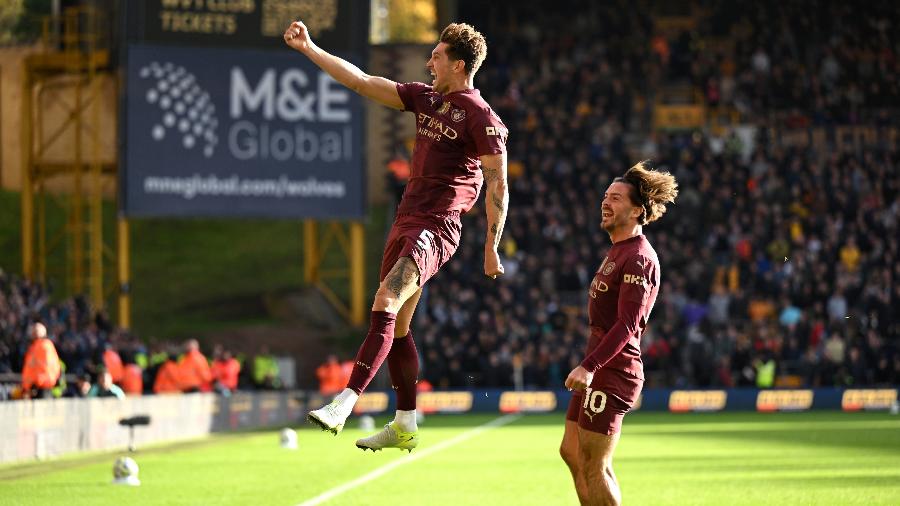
(458, 115)
(608, 268)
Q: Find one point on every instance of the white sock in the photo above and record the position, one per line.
(406, 420)
(347, 399)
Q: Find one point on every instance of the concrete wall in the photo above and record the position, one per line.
(53, 427)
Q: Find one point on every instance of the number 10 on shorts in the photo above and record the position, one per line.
(590, 400)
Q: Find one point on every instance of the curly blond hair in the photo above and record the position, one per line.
(651, 189)
(466, 44)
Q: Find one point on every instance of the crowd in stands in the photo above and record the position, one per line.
(834, 63)
(777, 262)
(67, 349)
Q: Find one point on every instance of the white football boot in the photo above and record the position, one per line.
(330, 417)
(390, 437)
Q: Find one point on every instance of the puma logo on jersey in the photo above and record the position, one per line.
(590, 415)
(367, 366)
(634, 279)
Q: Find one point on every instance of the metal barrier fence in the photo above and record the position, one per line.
(652, 399)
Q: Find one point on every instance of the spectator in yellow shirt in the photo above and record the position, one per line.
(850, 255)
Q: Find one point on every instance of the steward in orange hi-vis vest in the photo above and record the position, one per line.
(42, 367)
(113, 363)
(167, 381)
(132, 379)
(193, 370)
(226, 370)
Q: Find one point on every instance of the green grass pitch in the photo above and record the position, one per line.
(715, 459)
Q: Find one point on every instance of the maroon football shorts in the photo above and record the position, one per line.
(429, 240)
(601, 407)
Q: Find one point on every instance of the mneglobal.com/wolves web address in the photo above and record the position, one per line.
(189, 187)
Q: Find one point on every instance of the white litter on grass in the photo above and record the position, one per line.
(288, 439)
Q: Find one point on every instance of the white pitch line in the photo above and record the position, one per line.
(336, 491)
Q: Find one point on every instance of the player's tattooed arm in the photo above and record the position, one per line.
(496, 204)
(494, 169)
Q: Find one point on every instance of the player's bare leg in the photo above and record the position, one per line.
(401, 283)
(596, 467)
(398, 286)
(406, 313)
(571, 455)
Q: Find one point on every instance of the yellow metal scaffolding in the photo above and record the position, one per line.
(73, 62)
(337, 241)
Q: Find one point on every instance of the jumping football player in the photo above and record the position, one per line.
(460, 146)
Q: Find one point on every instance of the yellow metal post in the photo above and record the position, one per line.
(96, 208)
(70, 63)
(357, 274)
(27, 195)
(310, 252)
(41, 200)
(76, 214)
(124, 274)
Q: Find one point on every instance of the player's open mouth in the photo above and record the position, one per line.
(607, 214)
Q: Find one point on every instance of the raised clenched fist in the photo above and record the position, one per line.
(297, 36)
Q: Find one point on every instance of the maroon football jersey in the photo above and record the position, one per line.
(622, 295)
(452, 131)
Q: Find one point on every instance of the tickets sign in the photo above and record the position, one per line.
(339, 25)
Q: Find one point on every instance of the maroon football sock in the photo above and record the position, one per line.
(403, 362)
(373, 350)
